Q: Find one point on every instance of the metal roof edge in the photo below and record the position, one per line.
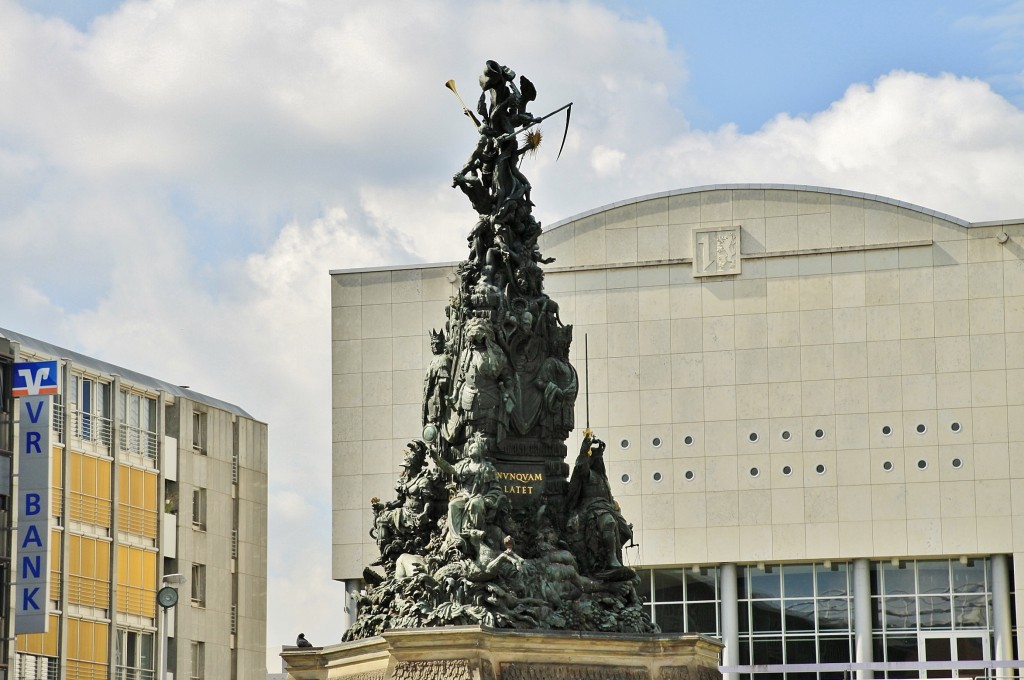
(783, 187)
(36, 346)
(395, 267)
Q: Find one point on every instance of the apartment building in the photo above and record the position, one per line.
(148, 480)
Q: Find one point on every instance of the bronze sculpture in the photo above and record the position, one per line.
(517, 544)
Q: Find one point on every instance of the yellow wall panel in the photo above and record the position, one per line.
(75, 464)
(149, 571)
(135, 558)
(88, 557)
(73, 626)
(55, 562)
(123, 480)
(103, 561)
(40, 643)
(103, 482)
(122, 562)
(137, 493)
(75, 554)
(150, 488)
(101, 631)
(56, 470)
(88, 476)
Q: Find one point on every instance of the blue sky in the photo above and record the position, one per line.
(178, 177)
(750, 60)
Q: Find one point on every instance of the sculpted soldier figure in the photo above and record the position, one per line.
(557, 380)
(435, 385)
(595, 519)
(484, 392)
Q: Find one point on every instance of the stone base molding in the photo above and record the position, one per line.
(480, 653)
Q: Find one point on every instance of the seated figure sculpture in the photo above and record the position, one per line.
(479, 496)
(401, 525)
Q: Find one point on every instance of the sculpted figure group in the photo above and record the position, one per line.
(487, 526)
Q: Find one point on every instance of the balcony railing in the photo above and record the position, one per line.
(32, 667)
(139, 441)
(57, 423)
(89, 592)
(135, 600)
(129, 673)
(91, 428)
(138, 521)
(89, 509)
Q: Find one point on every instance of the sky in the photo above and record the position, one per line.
(178, 177)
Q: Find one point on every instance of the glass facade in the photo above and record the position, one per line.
(795, 613)
(921, 610)
(931, 610)
(682, 600)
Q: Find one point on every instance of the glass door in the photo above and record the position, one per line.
(950, 646)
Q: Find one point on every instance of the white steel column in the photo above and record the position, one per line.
(730, 620)
(862, 615)
(351, 608)
(1001, 603)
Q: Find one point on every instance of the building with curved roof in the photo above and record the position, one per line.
(814, 404)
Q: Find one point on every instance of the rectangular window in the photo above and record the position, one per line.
(137, 500)
(89, 410)
(88, 577)
(682, 599)
(134, 654)
(199, 584)
(199, 432)
(199, 509)
(137, 424)
(136, 581)
(198, 670)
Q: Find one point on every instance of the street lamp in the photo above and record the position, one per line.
(167, 597)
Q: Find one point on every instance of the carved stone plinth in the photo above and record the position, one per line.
(478, 653)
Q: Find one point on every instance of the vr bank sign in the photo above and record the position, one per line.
(33, 383)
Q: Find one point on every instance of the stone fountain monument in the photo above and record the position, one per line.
(498, 560)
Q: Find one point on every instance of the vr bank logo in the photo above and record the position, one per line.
(34, 378)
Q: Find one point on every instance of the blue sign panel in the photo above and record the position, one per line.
(34, 378)
(32, 565)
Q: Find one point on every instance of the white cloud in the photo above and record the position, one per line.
(606, 162)
(177, 182)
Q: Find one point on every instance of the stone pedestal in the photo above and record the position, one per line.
(477, 653)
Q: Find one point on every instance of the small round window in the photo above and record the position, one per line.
(754, 472)
(921, 428)
(819, 468)
(886, 430)
(819, 433)
(887, 466)
(624, 443)
(787, 470)
(689, 474)
(956, 427)
(688, 440)
(656, 442)
(753, 437)
(922, 464)
(656, 476)
(625, 478)
(786, 435)
(958, 463)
